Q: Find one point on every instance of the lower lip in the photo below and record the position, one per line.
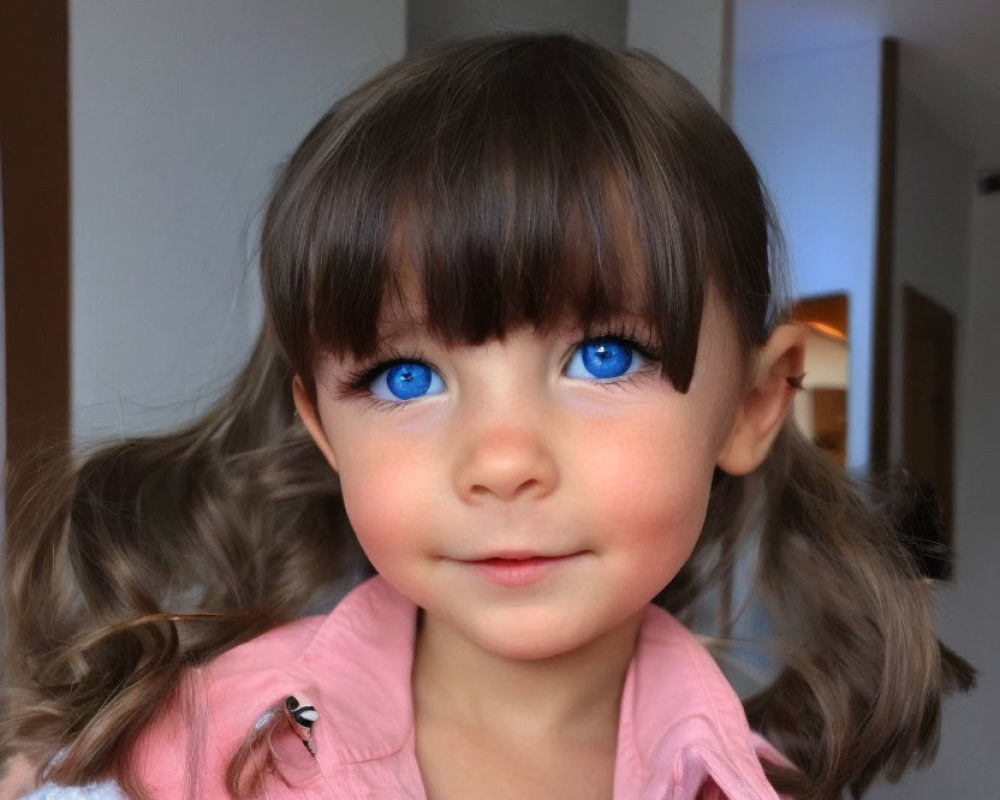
(518, 572)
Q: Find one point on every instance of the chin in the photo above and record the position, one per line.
(523, 638)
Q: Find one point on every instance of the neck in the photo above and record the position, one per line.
(572, 697)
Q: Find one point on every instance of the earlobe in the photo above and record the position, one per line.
(765, 404)
(310, 420)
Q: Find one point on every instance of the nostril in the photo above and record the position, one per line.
(507, 491)
(502, 491)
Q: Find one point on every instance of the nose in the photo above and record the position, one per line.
(506, 460)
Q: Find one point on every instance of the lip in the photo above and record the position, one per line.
(517, 568)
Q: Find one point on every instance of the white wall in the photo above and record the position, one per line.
(811, 122)
(934, 243)
(932, 230)
(968, 763)
(433, 20)
(180, 114)
(966, 766)
(692, 36)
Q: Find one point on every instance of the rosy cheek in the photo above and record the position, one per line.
(665, 516)
(384, 502)
(652, 479)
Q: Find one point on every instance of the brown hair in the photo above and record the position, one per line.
(496, 170)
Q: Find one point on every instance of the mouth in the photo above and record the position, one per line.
(519, 568)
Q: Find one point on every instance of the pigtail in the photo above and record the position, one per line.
(157, 553)
(859, 691)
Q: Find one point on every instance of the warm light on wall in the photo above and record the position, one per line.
(826, 329)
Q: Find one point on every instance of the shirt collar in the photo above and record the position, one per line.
(680, 723)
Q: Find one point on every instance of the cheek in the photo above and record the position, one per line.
(387, 495)
(651, 482)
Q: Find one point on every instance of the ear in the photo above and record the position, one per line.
(306, 409)
(765, 404)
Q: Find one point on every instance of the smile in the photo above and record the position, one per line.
(519, 570)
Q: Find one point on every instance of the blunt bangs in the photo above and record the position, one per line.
(501, 182)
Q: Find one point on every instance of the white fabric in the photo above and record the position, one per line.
(105, 790)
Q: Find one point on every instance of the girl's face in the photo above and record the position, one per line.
(571, 455)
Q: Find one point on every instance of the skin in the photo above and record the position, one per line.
(514, 454)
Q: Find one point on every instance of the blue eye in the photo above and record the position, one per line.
(604, 358)
(406, 380)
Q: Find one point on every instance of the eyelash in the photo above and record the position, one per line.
(357, 383)
(641, 343)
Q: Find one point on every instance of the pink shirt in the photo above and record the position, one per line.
(681, 727)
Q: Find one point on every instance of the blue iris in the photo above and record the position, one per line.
(604, 358)
(406, 380)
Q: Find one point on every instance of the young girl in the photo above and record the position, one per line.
(523, 346)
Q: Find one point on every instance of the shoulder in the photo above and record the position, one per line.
(357, 655)
(237, 687)
(277, 647)
(708, 749)
(213, 709)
